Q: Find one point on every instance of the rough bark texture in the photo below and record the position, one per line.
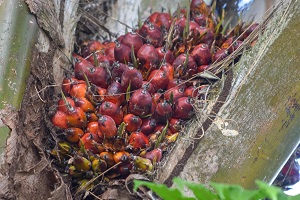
(27, 172)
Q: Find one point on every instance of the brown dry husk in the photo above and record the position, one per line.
(27, 172)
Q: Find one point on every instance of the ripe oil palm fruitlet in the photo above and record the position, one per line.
(127, 101)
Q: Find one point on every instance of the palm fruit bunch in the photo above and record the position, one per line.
(126, 101)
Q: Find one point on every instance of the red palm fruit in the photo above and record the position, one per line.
(159, 79)
(152, 17)
(176, 82)
(149, 87)
(92, 47)
(154, 35)
(194, 30)
(220, 55)
(183, 109)
(138, 140)
(180, 24)
(154, 155)
(120, 38)
(117, 70)
(148, 126)
(183, 69)
(99, 76)
(169, 69)
(134, 77)
(143, 30)
(93, 128)
(202, 68)
(124, 170)
(231, 44)
(122, 156)
(78, 90)
(132, 39)
(163, 111)
(60, 119)
(132, 122)
(112, 110)
(109, 49)
(166, 54)
(148, 56)
(66, 85)
(91, 117)
(108, 157)
(91, 58)
(84, 104)
(175, 125)
(105, 62)
(201, 54)
(248, 30)
(74, 134)
(76, 117)
(107, 126)
(81, 66)
(160, 129)
(163, 20)
(98, 96)
(199, 6)
(177, 93)
(62, 106)
(115, 94)
(200, 19)
(206, 36)
(122, 53)
(156, 98)
(89, 143)
(140, 103)
(192, 91)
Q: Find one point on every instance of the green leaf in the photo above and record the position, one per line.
(201, 192)
(133, 58)
(271, 192)
(128, 91)
(229, 192)
(139, 18)
(180, 184)
(160, 189)
(162, 135)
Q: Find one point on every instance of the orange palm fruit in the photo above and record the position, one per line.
(60, 119)
(89, 143)
(68, 82)
(108, 157)
(84, 104)
(78, 90)
(91, 117)
(132, 122)
(93, 127)
(76, 117)
(74, 134)
(122, 156)
(62, 106)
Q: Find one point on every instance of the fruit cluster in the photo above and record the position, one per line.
(128, 99)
